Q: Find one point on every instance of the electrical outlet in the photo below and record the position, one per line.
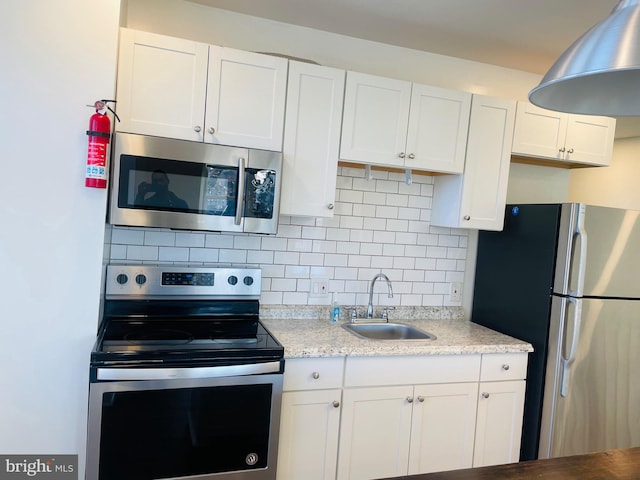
(455, 294)
(319, 287)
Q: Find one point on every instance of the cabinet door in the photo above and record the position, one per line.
(311, 140)
(476, 199)
(443, 427)
(161, 85)
(499, 423)
(590, 139)
(438, 125)
(374, 432)
(309, 427)
(539, 132)
(376, 114)
(245, 99)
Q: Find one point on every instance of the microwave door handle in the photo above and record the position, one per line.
(242, 163)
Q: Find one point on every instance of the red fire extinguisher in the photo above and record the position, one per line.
(99, 135)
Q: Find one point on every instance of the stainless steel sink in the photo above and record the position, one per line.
(387, 331)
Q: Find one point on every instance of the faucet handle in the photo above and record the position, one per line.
(353, 312)
(385, 312)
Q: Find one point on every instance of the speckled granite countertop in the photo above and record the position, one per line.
(309, 333)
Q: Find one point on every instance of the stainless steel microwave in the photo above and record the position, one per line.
(179, 184)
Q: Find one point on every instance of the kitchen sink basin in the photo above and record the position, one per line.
(387, 331)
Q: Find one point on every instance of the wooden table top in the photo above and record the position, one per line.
(623, 464)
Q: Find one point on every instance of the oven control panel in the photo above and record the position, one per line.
(182, 281)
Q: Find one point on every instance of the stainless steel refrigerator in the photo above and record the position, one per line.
(566, 278)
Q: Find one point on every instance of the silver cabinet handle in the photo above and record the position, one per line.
(485, 395)
(410, 399)
(562, 150)
(197, 128)
(412, 156)
(335, 404)
(467, 217)
(570, 150)
(401, 155)
(330, 206)
(421, 399)
(315, 375)
(242, 163)
(505, 367)
(212, 130)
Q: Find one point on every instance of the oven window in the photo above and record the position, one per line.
(169, 433)
(148, 183)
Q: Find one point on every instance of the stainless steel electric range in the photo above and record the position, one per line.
(185, 380)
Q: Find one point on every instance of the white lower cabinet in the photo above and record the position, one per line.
(499, 423)
(374, 417)
(310, 419)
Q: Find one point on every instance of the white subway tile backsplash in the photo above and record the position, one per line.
(205, 255)
(127, 236)
(236, 257)
(159, 238)
(173, 254)
(379, 225)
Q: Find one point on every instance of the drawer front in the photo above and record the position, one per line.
(313, 373)
(403, 370)
(503, 366)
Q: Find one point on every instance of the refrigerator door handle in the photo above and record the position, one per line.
(575, 334)
(580, 233)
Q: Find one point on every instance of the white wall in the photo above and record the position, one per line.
(614, 186)
(56, 58)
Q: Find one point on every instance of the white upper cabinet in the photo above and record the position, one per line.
(311, 140)
(165, 84)
(245, 99)
(396, 123)
(162, 85)
(476, 198)
(569, 139)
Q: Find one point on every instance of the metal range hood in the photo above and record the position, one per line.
(600, 73)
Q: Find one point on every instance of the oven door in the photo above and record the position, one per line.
(160, 182)
(170, 428)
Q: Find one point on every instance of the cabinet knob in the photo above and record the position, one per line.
(505, 367)
(330, 206)
(467, 217)
(485, 394)
(335, 404)
(421, 399)
(409, 399)
(401, 155)
(411, 156)
(197, 128)
(570, 150)
(212, 130)
(562, 150)
(316, 375)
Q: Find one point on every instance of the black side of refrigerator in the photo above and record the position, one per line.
(512, 294)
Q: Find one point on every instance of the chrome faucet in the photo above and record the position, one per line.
(373, 282)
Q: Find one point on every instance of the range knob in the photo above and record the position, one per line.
(122, 278)
(248, 281)
(232, 280)
(141, 279)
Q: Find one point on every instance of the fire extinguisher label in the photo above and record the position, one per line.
(96, 161)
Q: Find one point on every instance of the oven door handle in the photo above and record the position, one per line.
(186, 372)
